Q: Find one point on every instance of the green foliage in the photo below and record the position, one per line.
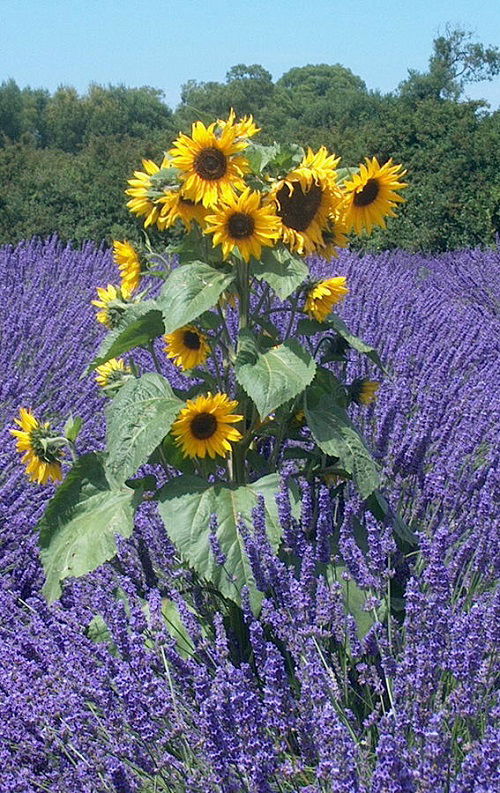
(186, 504)
(190, 291)
(334, 322)
(276, 376)
(283, 270)
(141, 413)
(78, 527)
(139, 325)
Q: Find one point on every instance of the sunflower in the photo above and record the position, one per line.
(145, 192)
(42, 461)
(241, 221)
(370, 195)
(323, 296)
(187, 347)
(305, 199)
(113, 372)
(203, 426)
(334, 237)
(244, 128)
(129, 266)
(363, 391)
(112, 303)
(175, 206)
(210, 164)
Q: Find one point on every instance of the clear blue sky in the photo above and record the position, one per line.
(164, 43)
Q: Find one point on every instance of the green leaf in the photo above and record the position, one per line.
(354, 598)
(77, 530)
(190, 291)
(334, 433)
(278, 375)
(259, 156)
(308, 327)
(139, 416)
(186, 504)
(139, 325)
(282, 270)
(72, 427)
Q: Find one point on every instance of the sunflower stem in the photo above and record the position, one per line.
(239, 457)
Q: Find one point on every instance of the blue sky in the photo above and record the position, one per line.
(164, 43)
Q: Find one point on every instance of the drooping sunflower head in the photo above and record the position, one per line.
(241, 222)
(175, 206)
(113, 373)
(209, 161)
(42, 460)
(204, 428)
(127, 259)
(187, 347)
(305, 199)
(323, 296)
(370, 196)
(111, 304)
(146, 188)
(363, 391)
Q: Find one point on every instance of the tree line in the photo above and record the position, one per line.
(65, 158)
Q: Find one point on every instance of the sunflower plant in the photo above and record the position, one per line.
(256, 344)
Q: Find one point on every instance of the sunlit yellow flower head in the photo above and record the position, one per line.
(370, 196)
(129, 266)
(305, 199)
(203, 426)
(241, 222)
(111, 305)
(187, 347)
(210, 162)
(244, 128)
(364, 391)
(111, 373)
(43, 463)
(145, 192)
(175, 206)
(323, 296)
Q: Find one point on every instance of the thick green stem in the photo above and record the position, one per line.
(239, 453)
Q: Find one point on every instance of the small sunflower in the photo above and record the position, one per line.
(111, 304)
(305, 199)
(145, 192)
(210, 162)
(334, 237)
(129, 266)
(175, 206)
(203, 426)
(111, 373)
(370, 196)
(241, 222)
(364, 391)
(323, 296)
(187, 347)
(43, 462)
(244, 128)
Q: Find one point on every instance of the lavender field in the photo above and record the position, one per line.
(146, 698)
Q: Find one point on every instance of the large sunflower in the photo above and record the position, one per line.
(370, 196)
(129, 266)
(112, 373)
(305, 199)
(323, 296)
(111, 304)
(145, 193)
(241, 221)
(209, 161)
(203, 426)
(42, 461)
(187, 346)
(175, 206)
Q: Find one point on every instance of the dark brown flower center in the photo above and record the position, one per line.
(186, 201)
(298, 209)
(210, 164)
(240, 226)
(191, 340)
(203, 426)
(368, 194)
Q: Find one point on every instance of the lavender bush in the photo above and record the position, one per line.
(160, 692)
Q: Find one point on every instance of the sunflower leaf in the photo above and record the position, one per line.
(139, 416)
(190, 291)
(77, 530)
(279, 374)
(186, 504)
(283, 270)
(139, 325)
(308, 327)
